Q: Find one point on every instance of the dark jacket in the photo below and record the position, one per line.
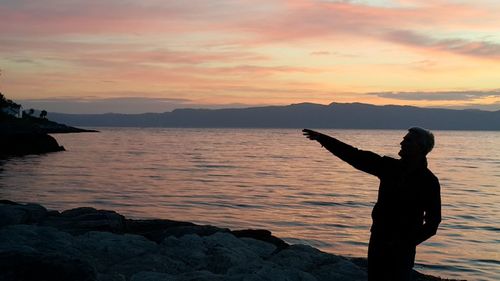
(408, 207)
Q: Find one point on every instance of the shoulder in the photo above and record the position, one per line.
(389, 166)
(390, 162)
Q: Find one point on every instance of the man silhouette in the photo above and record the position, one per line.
(408, 208)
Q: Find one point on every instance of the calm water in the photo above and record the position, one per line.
(273, 179)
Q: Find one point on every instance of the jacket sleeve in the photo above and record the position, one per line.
(365, 161)
(432, 215)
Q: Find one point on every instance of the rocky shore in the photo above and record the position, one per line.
(27, 143)
(88, 244)
(29, 135)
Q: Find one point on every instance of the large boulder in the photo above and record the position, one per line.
(29, 252)
(152, 276)
(262, 235)
(158, 230)
(38, 266)
(106, 249)
(13, 213)
(85, 219)
(321, 265)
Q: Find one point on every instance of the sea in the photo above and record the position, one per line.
(273, 179)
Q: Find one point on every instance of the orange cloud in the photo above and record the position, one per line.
(460, 46)
(243, 49)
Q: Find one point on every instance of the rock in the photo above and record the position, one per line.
(111, 277)
(107, 249)
(11, 214)
(42, 239)
(216, 253)
(200, 230)
(343, 270)
(158, 230)
(148, 263)
(201, 275)
(262, 235)
(82, 220)
(152, 276)
(225, 251)
(274, 273)
(38, 266)
(155, 230)
(29, 252)
(263, 249)
(189, 249)
(39, 245)
(303, 257)
(8, 202)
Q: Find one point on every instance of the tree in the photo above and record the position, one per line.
(5, 102)
(31, 111)
(43, 114)
(8, 106)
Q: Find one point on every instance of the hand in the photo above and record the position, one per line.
(310, 134)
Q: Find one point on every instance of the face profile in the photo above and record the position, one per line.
(410, 149)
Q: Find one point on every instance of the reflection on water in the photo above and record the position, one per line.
(273, 179)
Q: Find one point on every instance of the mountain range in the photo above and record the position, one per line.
(302, 115)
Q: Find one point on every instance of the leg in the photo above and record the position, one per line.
(389, 260)
(376, 259)
(403, 262)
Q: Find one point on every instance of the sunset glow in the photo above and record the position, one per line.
(220, 53)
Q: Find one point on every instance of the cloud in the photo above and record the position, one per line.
(460, 46)
(438, 96)
(320, 53)
(128, 52)
(126, 105)
(252, 23)
(21, 60)
(92, 105)
(241, 50)
(489, 107)
(89, 105)
(56, 17)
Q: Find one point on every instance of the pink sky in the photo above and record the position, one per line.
(155, 55)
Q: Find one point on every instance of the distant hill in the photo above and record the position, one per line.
(335, 115)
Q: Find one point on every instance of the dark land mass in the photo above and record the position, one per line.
(29, 124)
(304, 115)
(89, 244)
(30, 135)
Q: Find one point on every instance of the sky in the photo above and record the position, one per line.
(154, 55)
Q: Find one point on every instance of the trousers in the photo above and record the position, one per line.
(390, 259)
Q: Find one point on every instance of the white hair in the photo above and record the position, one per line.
(425, 138)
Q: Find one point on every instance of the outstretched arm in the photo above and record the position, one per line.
(365, 161)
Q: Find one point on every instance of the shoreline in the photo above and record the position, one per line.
(30, 135)
(105, 245)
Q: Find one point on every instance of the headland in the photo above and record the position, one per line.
(30, 135)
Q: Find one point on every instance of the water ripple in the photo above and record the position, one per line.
(273, 179)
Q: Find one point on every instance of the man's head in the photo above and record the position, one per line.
(417, 143)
